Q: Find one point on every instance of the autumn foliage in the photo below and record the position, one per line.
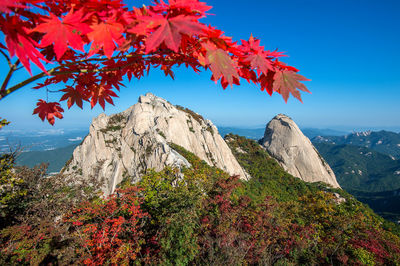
(109, 231)
(84, 49)
(203, 217)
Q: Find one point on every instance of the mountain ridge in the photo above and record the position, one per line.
(127, 144)
(386, 142)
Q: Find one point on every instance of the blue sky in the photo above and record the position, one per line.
(348, 48)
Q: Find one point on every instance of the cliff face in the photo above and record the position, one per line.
(295, 153)
(128, 143)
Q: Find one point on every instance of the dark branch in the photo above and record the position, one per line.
(53, 71)
(8, 59)
(8, 77)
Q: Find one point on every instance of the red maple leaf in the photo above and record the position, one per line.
(65, 32)
(73, 95)
(259, 62)
(282, 66)
(252, 44)
(219, 39)
(256, 56)
(287, 81)
(97, 5)
(169, 31)
(6, 4)
(225, 83)
(191, 6)
(105, 35)
(267, 82)
(101, 94)
(48, 110)
(248, 74)
(19, 43)
(221, 64)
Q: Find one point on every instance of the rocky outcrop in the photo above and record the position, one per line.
(127, 144)
(295, 153)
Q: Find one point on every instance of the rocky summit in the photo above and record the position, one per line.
(285, 142)
(125, 145)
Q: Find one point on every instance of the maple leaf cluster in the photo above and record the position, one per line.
(89, 46)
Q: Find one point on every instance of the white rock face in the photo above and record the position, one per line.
(295, 153)
(128, 143)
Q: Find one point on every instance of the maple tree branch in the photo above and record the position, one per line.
(8, 77)
(103, 59)
(7, 58)
(84, 70)
(102, 70)
(4, 92)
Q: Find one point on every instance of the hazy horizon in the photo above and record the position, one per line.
(341, 128)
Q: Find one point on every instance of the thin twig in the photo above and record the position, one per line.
(8, 59)
(22, 84)
(8, 77)
(80, 236)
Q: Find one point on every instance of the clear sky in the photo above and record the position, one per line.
(350, 49)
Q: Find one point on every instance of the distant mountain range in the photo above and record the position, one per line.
(382, 141)
(314, 132)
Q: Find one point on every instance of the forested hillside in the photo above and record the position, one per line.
(372, 177)
(360, 168)
(385, 203)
